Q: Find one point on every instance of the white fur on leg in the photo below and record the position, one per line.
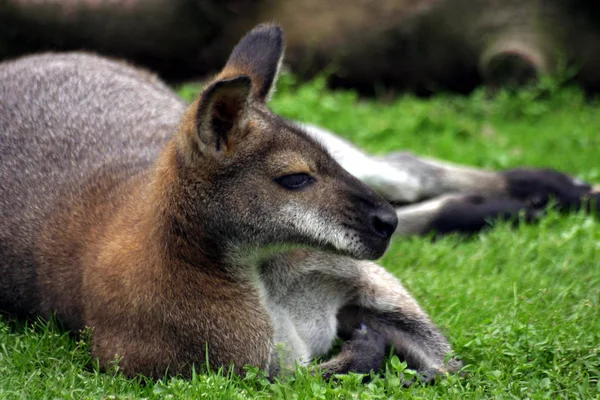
(390, 182)
(414, 219)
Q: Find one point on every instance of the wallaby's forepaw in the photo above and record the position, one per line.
(536, 187)
(431, 375)
(428, 377)
(366, 350)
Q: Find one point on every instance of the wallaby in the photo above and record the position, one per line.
(214, 232)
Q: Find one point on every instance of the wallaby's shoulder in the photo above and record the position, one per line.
(73, 96)
(65, 85)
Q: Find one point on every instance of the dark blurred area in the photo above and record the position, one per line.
(421, 46)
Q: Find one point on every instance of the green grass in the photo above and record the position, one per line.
(520, 306)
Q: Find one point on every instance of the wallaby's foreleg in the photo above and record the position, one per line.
(383, 304)
(325, 295)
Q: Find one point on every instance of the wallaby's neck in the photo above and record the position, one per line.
(173, 220)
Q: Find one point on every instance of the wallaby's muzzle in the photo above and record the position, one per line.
(381, 225)
(372, 219)
(384, 222)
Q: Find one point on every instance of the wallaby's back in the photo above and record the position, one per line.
(52, 109)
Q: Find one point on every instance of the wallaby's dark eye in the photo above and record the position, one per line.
(295, 181)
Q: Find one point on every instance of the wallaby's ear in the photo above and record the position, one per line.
(217, 121)
(258, 55)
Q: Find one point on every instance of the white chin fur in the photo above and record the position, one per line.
(321, 230)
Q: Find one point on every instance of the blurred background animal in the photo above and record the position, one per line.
(418, 45)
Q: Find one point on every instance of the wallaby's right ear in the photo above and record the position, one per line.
(217, 121)
(257, 55)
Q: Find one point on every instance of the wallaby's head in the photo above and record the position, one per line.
(258, 180)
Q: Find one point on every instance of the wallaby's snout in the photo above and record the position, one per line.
(369, 215)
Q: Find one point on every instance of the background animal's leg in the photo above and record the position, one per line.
(530, 185)
(400, 185)
(438, 177)
(404, 178)
(459, 213)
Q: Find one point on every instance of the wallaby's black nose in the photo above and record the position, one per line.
(384, 222)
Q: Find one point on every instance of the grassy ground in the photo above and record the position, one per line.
(521, 307)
